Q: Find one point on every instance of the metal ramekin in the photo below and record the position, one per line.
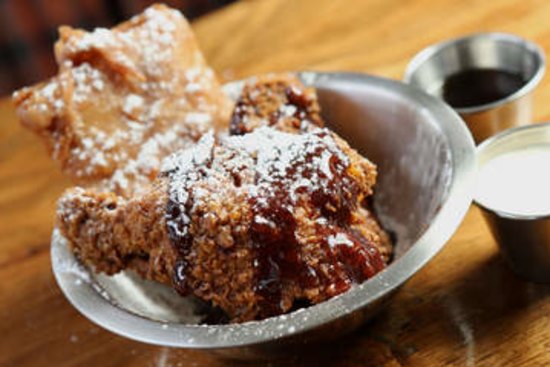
(524, 240)
(429, 69)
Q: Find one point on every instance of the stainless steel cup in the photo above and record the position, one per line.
(429, 69)
(524, 240)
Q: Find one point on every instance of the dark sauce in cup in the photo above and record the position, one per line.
(475, 87)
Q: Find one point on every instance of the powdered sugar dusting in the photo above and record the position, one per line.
(128, 96)
(99, 38)
(198, 118)
(296, 161)
(102, 40)
(263, 220)
(339, 239)
(132, 103)
(186, 168)
(138, 170)
(266, 162)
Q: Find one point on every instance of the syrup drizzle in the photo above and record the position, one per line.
(279, 172)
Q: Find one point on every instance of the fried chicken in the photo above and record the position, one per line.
(250, 223)
(124, 99)
(277, 100)
(283, 102)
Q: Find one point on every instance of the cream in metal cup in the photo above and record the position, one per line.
(488, 78)
(513, 192)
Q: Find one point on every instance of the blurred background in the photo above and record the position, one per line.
(28, 30)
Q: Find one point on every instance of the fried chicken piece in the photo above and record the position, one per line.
(283, 102)
(124, 99)
(250, 223)
(277, 100)
(112, 233)
(366, 223)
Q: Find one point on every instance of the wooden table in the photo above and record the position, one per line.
(464, 309)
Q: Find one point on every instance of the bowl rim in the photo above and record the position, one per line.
(430, 51)
(89, 301)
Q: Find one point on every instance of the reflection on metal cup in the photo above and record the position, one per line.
(495, 72)
(519, 219)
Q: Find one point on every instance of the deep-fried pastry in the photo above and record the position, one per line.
(277, 100)
(124, 99)
(250, 223)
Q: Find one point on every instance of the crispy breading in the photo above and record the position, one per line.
(251, 223)
(277, 100)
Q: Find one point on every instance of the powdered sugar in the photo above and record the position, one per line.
(287, 110)
(49, 90)
(266, 162)
(158, 27)
(87, 79)
(339, 239)
(296, 160)
(262, 220)
(186, 168)
(128, 96)
(198, 118)
(102, 40)
(99, 38)
(131, 103)
(148, 159)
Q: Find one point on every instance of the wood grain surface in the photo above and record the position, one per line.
(465, 308)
